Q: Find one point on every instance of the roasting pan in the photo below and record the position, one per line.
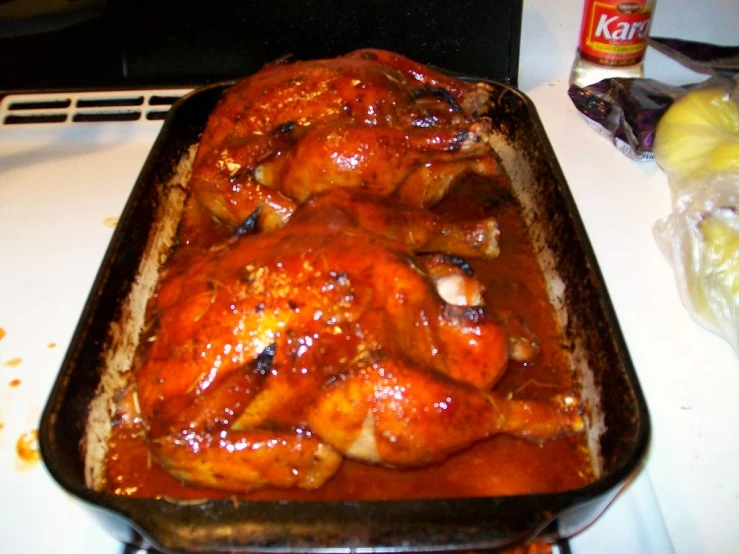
(74, 421)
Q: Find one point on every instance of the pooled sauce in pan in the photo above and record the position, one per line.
(501, 465)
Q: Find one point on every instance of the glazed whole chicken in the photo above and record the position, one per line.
(276, 355)
(371, 119)
(338, 317)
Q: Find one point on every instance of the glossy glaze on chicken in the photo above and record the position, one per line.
(371, 120)
(331, 315)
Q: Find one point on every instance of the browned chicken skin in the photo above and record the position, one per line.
(371, 120)
(278, 354)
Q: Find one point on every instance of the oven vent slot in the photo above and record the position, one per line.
(110, 102)
(87, 107)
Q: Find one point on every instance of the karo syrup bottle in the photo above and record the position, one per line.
(613, 40)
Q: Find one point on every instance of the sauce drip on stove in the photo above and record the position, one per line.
(26, 448)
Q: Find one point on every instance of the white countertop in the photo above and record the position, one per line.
(689, 376)
(52, 240)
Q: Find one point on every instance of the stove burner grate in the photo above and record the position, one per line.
(87, 107)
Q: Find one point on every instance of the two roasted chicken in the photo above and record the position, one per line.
(337, 317)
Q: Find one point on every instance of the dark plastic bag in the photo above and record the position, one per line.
(626, 111)
(702, 57)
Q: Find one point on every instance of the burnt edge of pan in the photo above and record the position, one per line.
(578, 294)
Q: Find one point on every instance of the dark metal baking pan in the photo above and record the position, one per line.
(620, 426)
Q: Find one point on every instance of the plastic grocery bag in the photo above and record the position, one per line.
(700, 239)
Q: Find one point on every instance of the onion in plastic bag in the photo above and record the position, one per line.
(699, 134)
(700, 238)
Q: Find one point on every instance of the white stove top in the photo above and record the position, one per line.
(61, 190)
(63, 185)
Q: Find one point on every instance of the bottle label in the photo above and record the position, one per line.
(614, 32)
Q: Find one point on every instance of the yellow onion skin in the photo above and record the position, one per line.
(698, 135)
